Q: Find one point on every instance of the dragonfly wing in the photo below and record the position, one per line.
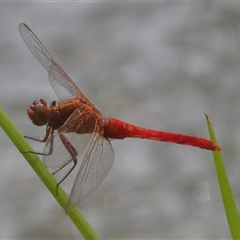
(62, 84)
(65, 142)
(60, 154)
(35, 46)
(97, 162)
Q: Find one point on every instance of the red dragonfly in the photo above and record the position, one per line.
(76, 130)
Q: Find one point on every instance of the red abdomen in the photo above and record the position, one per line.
(116, 129)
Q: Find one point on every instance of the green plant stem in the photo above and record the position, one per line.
(225, 188)
(49, 181)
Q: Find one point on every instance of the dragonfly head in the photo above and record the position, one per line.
(38, 112)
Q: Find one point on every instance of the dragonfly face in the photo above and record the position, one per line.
(39, 113)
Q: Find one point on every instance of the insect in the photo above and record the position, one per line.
(76, 130)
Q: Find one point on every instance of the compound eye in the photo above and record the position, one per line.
(38, 112)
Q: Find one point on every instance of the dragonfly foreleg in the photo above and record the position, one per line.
(49, 131)
(50, 139)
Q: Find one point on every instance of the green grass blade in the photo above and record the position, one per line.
(227, 196)
(46, 177)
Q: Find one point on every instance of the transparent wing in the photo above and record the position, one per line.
(57, 144)
(60, 155)
(97, 162)
(62, 84)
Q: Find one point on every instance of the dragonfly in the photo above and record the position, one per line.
(76, 133)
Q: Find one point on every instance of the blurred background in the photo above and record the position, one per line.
(156, 65)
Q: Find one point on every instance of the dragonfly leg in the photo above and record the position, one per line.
(72, 151)
(49, 135)
(49, 131)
